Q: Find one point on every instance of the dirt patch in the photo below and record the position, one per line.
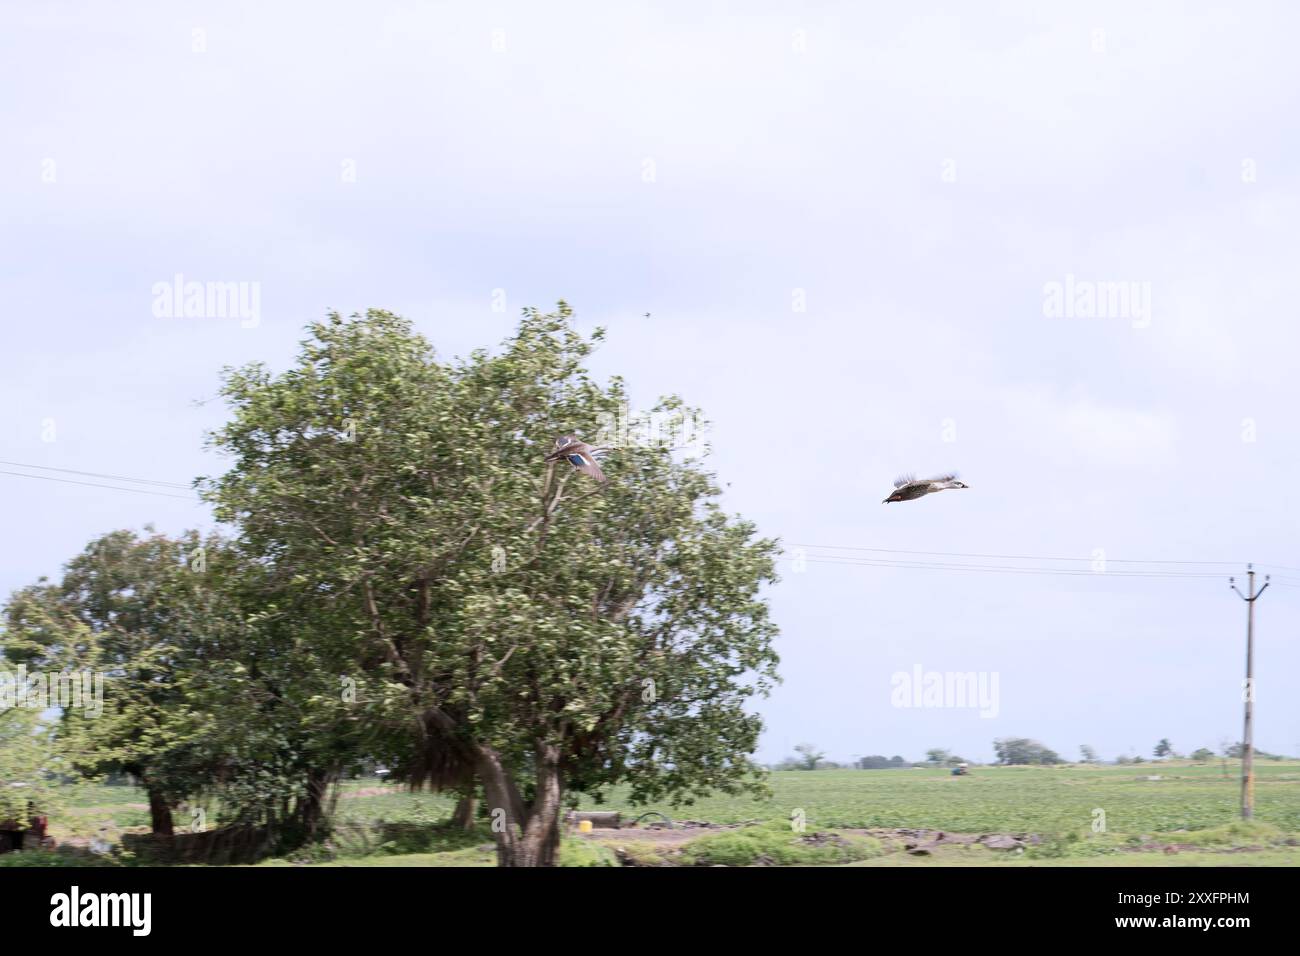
(659, 837)
(912, 841)
(104, 811)
(905, 838)
(824, 839)
(918, 842)
(1171, 848)
(369, 792)
(660, 834)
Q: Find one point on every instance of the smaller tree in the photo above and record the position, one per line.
(874, 762)
(1087, 754)
(29, 763)
(1022, 750)
(809, 757)
(117, 613)
(938, 756)
(1203, 755)
(1164, 748)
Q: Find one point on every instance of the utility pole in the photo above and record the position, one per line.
(1247, 742)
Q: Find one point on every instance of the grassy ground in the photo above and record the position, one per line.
(1188, 796)
(976, 856)
(1184, 818)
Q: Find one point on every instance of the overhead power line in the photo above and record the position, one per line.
(825, 552)
(96, 474)
(999, 569)
(91, 484)
(822, 553)
(1005, 557)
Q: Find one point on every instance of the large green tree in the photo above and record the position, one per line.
(503, 620)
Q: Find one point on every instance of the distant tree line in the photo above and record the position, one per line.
(808, 757)
(1009, 751)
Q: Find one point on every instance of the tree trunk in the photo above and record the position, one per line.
(542, 834)
(462, 818)
(317, 805)
(160, 814)
(526, 835)
(504, 811)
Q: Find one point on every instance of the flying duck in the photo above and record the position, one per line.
(579, 454)
(908, 487)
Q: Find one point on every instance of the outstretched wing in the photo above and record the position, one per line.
(580, 455)
(585, 462)
(949, 477)
(902, 480)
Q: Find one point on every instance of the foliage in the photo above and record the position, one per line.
(502, 618)
(776, 844)
(881, 762)
(576, 852)
(29, 766)
(807, 757)
(202, 695)
(1022, 750)
(116, 618)
(1236, 834)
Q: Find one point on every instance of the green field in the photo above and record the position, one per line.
(1044, 799)
(1189, 816)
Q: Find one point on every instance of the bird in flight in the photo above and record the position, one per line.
(908, 487)
(579, 454)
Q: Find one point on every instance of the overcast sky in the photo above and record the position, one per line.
(845, 219)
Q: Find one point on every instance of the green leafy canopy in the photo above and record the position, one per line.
(418, 542)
